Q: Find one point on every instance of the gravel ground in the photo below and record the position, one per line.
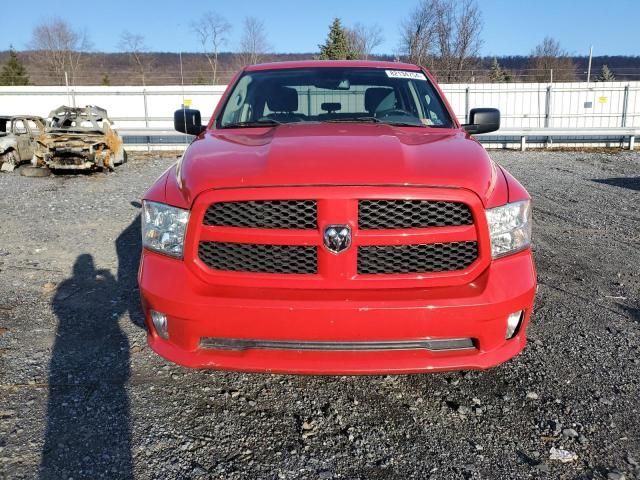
(82, 396)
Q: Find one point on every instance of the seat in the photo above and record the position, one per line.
(331, 107)
(283, 102)
(379, 98)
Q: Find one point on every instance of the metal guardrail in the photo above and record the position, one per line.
(593, 134)
(151, 137)
(154, 137)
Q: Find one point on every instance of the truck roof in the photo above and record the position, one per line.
(332, 63)
(12, 117)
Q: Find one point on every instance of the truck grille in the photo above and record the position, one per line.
(433, 257)
(285, 214)
(419, 234)
(241, 257)
(393, 214)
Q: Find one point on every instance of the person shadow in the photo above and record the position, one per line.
(88, 425)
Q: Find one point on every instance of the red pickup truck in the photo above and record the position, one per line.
(333, 217)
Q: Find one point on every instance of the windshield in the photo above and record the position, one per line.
(301, 95)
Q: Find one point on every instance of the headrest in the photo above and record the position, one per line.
(283, 99)
(374, 96)
(331, 106)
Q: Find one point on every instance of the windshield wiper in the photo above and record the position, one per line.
(378, 120)
(354, 120)
(253, 124)
(406, 124)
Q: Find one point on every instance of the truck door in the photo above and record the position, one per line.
(35, 129)
(23, 143)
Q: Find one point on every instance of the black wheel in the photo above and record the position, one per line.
(123, 161)
(30, 171)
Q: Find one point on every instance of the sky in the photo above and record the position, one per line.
(511, 27)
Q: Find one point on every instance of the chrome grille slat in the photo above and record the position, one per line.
(423, 258)
(283, 214)
(434, 344)
(397, 214)
(259, 258)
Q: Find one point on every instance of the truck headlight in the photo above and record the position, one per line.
(163, 228)
(509, 227)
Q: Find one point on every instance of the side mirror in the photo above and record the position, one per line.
(187, 120)
(483, 120)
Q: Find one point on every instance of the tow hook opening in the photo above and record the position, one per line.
(514, 320)
(160, 323)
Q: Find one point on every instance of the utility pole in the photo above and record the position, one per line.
(589, 68)
(66, 82)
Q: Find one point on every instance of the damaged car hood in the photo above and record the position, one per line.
(79, 148)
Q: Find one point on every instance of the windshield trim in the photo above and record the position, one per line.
(453, 123)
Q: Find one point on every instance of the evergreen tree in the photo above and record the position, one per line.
(106, 80)
(337, 45)
(606, 75)
(13, 72)
(498, 74)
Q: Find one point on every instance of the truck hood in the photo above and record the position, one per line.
(7, 141)
(335, 154)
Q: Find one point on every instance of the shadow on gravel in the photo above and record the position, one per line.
(633, 312)
(88, 433)
(632, 183)
(128, 248)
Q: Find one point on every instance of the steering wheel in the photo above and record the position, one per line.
(394, 112)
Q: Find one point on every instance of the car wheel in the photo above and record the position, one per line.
(29, 171)
(123, 160)
(9, 161)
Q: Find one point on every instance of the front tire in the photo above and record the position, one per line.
(29, 171)
(9, 161)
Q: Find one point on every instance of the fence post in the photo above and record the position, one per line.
(146, 117)
(625, 105)
(466, 105)
(547, 110)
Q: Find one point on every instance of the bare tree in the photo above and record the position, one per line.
(59, 47)
(468, 26)
(138, 52)
(253, 43)
(444, 35)
(417, 34)
(212, 30)
(549, 56)
(364, 39)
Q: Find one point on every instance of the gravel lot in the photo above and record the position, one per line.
(82, 396)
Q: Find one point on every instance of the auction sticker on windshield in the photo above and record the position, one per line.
(405, 74)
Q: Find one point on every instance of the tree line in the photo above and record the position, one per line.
(443, 35)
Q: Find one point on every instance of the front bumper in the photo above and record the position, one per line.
(197, 311)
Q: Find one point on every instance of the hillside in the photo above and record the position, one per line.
(163, 68)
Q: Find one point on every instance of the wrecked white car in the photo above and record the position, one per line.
(18, 135)
(79, 139)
